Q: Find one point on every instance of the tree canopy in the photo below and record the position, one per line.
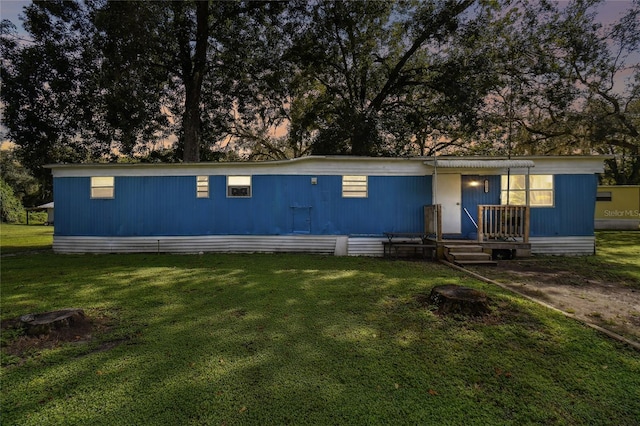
(101, 80)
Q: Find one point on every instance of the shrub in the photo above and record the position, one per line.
(10, 208)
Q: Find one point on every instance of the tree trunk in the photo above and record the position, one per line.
(193, 70)
(363, 137)
(191, 124)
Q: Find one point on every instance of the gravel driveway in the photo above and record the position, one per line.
(594, 298)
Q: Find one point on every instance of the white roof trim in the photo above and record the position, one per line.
(313, 166)
(480, 164)
(345, 165)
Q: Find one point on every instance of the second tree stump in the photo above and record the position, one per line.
(455, 299)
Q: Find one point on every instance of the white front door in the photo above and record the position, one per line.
(448, 193)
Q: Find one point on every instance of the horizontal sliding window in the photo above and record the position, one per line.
(354, 186)
(102, 187)
(202, 186)
(239, 186)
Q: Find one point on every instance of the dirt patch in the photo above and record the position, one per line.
(597, 298)
(17, 344)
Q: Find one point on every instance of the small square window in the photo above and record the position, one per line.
(604, 196)
(102, 187)
(354, 186)
(239, 186)
(202, 186)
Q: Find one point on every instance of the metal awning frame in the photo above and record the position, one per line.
(465, 164)
(450, 163)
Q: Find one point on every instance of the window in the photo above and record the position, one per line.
(102, 187)
(354, 186)
(604, 196)
(202, 186)
(514, 190)
(239, 186)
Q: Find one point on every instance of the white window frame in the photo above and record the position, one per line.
(202, 186)
(355, 186)
(102, 187)
(519, 187)
(239, 183)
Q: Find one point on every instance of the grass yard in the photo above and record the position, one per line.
(620, 252)
(297, 339)
(21, 238)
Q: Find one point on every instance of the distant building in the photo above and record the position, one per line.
(618, 207)
(48, 207)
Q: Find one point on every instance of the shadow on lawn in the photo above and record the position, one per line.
(279, 339)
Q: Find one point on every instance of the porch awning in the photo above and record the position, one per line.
(480, 164)
(42, 207)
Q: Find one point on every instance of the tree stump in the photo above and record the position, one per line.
(42, 323)
(454, 299)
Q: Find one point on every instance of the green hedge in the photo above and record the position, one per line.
(10, 208)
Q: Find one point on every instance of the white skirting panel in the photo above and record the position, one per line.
(563, 245)
(214, 243)
(365, 246)
(321, 244)
(330, 244)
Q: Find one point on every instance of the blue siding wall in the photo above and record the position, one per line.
(574, 209)
(280, 205)
(145, 206)
(571, 215)
(472, 196)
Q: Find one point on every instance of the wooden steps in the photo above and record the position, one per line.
(467, 254)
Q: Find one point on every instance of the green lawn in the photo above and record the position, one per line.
(620, 252)
(20, 238)
(299, 339)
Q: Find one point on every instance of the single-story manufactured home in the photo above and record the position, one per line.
(327, 204)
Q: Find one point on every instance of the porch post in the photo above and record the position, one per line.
(434, 183)
(438, 222)
(480, 223)
(437, 208)
(527, 208)
(527, 187)
(525, 237)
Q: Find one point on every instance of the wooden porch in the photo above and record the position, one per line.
(502, 232)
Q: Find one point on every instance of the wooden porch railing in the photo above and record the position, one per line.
(433, 221)
(503, 222)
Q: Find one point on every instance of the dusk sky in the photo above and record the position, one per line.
(610, 11)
